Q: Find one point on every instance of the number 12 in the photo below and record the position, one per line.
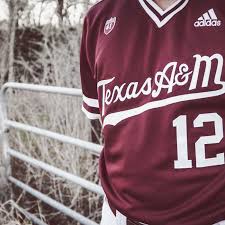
(180, 123)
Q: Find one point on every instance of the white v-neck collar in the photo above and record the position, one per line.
(161, 11)
(155, 18)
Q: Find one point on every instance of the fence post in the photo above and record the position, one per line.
(5, 168)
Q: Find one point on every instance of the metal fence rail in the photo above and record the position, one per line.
(51, 169)
(94, 148)
(67, 211)
(42, 88)
(6, 124)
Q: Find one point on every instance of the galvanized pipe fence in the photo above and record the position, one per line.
(6, 124)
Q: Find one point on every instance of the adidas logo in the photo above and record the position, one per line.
(208, 19)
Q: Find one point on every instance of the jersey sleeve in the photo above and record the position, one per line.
(90, 104)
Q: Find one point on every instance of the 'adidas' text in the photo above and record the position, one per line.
(208, 19)
(208, 23)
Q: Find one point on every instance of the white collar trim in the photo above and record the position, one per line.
(161, 12)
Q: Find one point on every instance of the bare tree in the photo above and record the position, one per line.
(14, 6)
(60, 11)
(13, 17)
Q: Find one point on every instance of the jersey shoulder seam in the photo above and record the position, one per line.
(96, 5)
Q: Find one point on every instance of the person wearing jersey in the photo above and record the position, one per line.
(153, 73)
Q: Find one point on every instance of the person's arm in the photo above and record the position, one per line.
(90, 105)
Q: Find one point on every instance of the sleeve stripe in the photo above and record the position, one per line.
(91, 101)
(91, 116)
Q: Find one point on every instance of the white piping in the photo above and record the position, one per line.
(166, 19)
(161, 11)
(91, 101)
(91, 116)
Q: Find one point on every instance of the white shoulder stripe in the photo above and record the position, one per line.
(209, 15)
(91, 116)
(91, 101)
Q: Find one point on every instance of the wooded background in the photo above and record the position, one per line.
(46, 51)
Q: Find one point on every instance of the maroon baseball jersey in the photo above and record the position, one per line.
(156, 80)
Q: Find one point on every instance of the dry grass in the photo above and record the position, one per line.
(10, 216)
(59, 114)
(62, 115)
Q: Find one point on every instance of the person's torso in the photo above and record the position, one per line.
(161, 86)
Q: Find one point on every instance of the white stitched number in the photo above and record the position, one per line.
(180, 124)
(201, 160)
(182, 147)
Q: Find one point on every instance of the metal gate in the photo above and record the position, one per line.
(6, 124)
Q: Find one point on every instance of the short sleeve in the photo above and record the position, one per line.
(90, 104)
